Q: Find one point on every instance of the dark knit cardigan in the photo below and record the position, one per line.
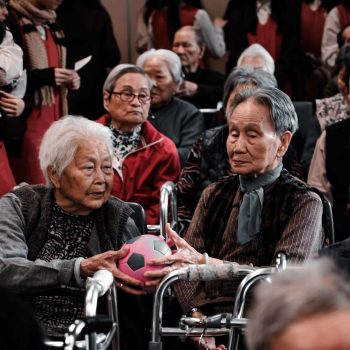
(111, 219)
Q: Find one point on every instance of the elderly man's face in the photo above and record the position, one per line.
(87, 181)
(322, 332)
(187, 48)
(127, 114)
(164, 85)
(253, 146)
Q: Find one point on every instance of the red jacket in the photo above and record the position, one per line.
(7, 181)
(154, 162)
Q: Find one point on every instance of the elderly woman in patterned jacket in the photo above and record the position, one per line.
(52, 237)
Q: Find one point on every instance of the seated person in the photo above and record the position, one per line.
(52, 237)
(208, 160)
(143, 158)
(313, 307)
(258, 57)
(249, 217)
(331, 109)
(329, 175)
(177, 119)
(201, 87)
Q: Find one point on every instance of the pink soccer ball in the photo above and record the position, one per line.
(142, 249)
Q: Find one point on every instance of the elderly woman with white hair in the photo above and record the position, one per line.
(143, 158)
(179, 120)
(53, 237)
(258, 57)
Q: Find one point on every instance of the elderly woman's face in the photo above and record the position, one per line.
(129, 103)
(253, 146)
(86, 182)
(164, 85)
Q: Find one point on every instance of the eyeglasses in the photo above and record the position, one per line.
(128, 96)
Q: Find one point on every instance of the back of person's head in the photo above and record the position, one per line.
(246, 76)
(282, 111)
(62, 139)
(258, 57)
(170, 58)
(18, 327)
(298, 293)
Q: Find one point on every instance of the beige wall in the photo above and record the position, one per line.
(124, 15)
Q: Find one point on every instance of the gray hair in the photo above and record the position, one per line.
(170, 58)
(62, 139)
(256, 50)
(316, 287)
(247, 76)
(282, 111)
(120, 70)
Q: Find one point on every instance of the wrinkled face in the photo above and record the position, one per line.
(164, 85)
(253, 146)
(126, 115)
(46, 4)
(256, 62)
(3, 11)
(87, 181)
(321, 332)
(186, 47)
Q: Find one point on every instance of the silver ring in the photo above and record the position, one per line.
(121, 285)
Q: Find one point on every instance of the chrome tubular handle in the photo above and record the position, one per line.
(168, 190)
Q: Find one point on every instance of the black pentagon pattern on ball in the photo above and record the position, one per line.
(160, 247)
(136, 261)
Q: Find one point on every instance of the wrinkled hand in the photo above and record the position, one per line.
(108, 261)
(187, 88)
(185, 254)
(67, 77)
(12, 105)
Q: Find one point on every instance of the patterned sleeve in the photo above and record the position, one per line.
(187, 186)
(303, 236)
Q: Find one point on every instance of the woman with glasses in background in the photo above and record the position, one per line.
(143, 157)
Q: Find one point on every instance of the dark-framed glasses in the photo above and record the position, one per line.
(128, 96)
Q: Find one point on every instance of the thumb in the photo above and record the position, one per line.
(122, 252)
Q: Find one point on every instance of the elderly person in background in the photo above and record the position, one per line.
(208, 160)
(249, 217)
(173, 117)
(201, 87)
(313, 307)
(258, 57)
(143, 158)
(52, 237)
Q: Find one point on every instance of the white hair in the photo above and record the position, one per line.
(62, 139)
(256, 50)
(170, 58)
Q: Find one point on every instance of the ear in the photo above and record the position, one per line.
(106, 100)
(285, 139)
(53, 177)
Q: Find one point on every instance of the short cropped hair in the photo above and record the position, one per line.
(62, 139)
(317, 287)
(247, 76)
(282, 111)
(170, 58)
(256, 50)
(120, 70)
(197, 33)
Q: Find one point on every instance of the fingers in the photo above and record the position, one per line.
(67, 77)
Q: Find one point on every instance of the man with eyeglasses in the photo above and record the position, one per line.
(143, 157)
